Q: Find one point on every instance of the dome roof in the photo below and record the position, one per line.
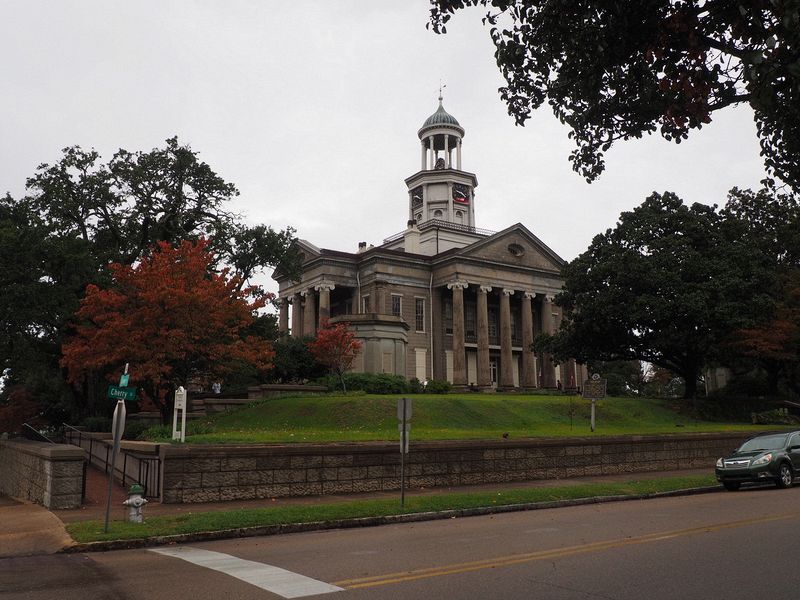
(440, 117)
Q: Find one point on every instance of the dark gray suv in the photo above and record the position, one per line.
(767, 457)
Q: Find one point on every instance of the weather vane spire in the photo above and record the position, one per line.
(441, 87)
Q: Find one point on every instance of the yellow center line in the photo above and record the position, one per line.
(513, 559)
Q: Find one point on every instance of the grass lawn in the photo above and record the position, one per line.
(90, 531)
(336, 418)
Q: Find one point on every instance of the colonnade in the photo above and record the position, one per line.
(528, 376)
(306, 318)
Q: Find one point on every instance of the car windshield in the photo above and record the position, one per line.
(767, 442)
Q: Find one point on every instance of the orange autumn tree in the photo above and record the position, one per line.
(336, 348)
(172, 318)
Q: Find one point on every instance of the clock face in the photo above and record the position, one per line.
(460, 193)
(416, 196)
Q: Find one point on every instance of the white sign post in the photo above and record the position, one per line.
(180, 405)
(404, 416)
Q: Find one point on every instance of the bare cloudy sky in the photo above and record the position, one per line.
(312, 109)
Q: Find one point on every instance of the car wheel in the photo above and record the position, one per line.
(785, 476)
(731, 486)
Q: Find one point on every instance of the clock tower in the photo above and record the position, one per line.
(441, 192)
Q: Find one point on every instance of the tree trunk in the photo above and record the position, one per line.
(690, 389)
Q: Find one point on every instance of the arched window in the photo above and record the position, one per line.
(437, 214)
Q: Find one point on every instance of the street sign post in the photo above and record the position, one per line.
(117, 392)
(594, 389)
(118, 427)
(120, 394)
(404, 416)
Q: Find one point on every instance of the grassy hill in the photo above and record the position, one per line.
(440, 417)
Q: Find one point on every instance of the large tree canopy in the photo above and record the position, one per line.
(173, 318)
(618, 70)
(80, 215)
(667, 286)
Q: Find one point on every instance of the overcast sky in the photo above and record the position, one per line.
(312, 109)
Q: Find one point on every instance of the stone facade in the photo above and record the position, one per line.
(212, 474)
(442, 299)
(47, 474)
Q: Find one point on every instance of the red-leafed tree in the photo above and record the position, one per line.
(335, 347)
(775, 344)
(172, 318)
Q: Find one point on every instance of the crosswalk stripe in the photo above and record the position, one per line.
(273, 579)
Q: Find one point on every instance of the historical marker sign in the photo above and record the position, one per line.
(594, 389)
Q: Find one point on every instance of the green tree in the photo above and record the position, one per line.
(80, 215)
(770, 224)
(668, 285)
(294, 362)
(618, 70)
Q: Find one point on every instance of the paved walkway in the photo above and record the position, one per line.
(27, 529)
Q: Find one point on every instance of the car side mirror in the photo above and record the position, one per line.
(796, 447)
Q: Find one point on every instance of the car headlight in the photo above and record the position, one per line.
(720, 463)
(763, 460)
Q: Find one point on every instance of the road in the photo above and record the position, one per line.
(721, 545)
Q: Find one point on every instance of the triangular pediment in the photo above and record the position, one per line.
(516, 246)
(308, 251)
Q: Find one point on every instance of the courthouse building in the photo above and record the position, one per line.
(443, 299)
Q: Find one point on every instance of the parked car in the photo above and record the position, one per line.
(767, 457)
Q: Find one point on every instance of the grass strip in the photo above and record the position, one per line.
(92, 531)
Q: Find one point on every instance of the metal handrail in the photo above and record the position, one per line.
(438, 223)
(37, 435)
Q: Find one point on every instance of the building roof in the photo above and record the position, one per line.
(440, 117)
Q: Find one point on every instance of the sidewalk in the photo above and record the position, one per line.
(27, 529)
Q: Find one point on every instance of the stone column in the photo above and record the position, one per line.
(459, 353)
(297, 321)
(324, 290)
(528, 376)
(447, 151)
(484, 376)
(432, 160)
(422, 145)
(548, 368)
(506, 355)
(283, 316)
(458, 153)
(309, 313)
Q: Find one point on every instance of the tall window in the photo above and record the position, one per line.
(397, 307)
(419, 313)
(470, 314)
(493, 333)
(448, 316)
(365, 304)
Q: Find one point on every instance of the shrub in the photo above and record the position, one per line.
(415, 386)
(371, 383)
(134, 430)
(100, 424)
(438, 386)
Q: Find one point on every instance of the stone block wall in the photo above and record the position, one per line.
(218, 473)
(48, 474)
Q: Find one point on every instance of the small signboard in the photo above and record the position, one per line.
(594, 388)
(116, 392)
(123, 380)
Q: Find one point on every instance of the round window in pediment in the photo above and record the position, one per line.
(516, 250)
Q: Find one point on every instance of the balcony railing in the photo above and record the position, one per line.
(440, 224)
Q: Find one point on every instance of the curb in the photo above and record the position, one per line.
(283, 528)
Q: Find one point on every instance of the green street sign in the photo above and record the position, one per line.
(123, 380)
(116, 392)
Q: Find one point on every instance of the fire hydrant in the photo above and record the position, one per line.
(135, 503)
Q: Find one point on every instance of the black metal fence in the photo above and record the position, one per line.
(131, 466)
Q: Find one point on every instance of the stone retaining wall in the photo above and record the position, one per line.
(236, 472)
(48, 474)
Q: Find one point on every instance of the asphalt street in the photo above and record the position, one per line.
(723, 545)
